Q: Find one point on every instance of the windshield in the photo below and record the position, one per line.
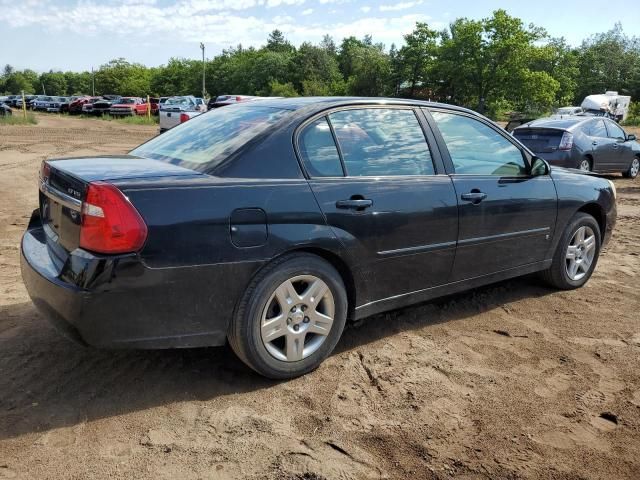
(178, 101)
(205, 141)
(126, 101)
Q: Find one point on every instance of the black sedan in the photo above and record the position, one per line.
(270, 224)
(589, 143)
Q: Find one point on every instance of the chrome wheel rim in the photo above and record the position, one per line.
(297, 318)
(635, 167)
(585, 166)
(580, 253)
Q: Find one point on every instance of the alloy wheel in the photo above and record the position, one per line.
(635, 168)
(580, 253)
(297, 318)
(585, 165)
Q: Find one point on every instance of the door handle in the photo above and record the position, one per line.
(615, 146)
(474, 197)
(594, 144)
(354, 204)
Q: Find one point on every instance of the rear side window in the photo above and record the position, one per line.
(207, 140)
(319, 151)
(597, 129)
(381, 142)
(477, 149)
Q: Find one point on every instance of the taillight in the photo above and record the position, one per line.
(183, 117)
(566, 142)
(110, 223)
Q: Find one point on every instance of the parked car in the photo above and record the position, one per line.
(75, 106)
(589, 143)
(127, 106)
(155, 105)
(56, 104)
(177, 110)
(5, 110)
(64, 106)
(103, 105)
(566, 111)
(87, 107)
(224, 100)
(42, 103)
(270, 223)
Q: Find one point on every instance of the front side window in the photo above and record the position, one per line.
(381, 142)
(477, 149)
(615, 131)
(318, 150)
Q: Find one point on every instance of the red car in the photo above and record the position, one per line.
(75, 107)
(129, 106)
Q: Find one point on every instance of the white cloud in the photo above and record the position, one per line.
(399, 6)
(365, 9)
(219, 23)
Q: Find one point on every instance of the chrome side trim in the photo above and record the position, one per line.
(61, 197)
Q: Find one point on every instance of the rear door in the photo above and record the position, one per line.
(385, 196)
(621, 153)
(602, 146)
(506, 215)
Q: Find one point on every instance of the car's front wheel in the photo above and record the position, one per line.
(291, 317)
(634, 168)
(576, 255)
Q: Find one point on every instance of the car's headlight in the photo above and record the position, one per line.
(613, 187)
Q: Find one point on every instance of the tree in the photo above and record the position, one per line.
(124, 78)
(414, 61)
(277, 89)
(54, 83)
(278, 43)
(609, 61)
(486, 63)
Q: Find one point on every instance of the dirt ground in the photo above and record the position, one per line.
(509, 381)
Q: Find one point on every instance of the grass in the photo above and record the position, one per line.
(132, 120)
(18, 119)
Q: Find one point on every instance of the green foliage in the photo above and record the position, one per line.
(495, 65)
(277, 89)
(633, 120)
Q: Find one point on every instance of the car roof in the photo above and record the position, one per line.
(560, 123)
(298, 103)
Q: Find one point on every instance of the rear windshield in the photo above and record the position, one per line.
(205, 141)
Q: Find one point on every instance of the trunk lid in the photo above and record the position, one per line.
(540, 140)
(63, 190)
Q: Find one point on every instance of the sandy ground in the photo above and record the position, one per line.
(508, 381)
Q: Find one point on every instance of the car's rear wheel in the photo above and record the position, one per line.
(634, 168)
(585, 165)
(291, 317)
(576, 255)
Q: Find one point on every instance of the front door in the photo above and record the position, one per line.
(621, 149)
(506, 215)
(381, 194)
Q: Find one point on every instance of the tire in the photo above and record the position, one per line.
(559, 274)
(633, 170)
(282, 343)
(585, 165)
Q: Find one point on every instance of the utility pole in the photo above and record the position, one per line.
(204, 91)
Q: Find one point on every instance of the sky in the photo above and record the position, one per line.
(81, 34)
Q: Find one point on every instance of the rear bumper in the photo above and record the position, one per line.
(119, 302)
(564, 159)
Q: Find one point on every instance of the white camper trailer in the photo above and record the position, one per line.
(610, 104)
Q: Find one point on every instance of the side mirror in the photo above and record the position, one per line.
(539, 167)
(630, 137)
